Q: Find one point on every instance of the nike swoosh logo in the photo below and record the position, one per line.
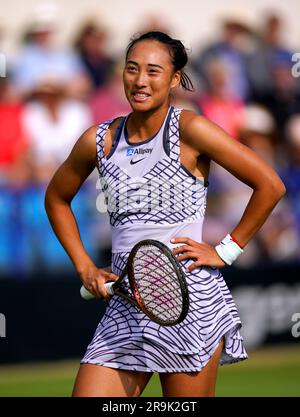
(135, 162)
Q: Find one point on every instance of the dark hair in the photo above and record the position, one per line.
(177, 51)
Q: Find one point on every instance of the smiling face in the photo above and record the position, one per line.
(149, 75)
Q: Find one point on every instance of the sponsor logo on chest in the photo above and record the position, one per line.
(138, 154)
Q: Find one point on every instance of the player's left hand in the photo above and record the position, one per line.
(202, 253)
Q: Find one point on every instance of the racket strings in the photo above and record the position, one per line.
(158, 284)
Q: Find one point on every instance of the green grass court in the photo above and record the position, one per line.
(272, 371)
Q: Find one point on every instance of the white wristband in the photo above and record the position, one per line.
(228, 250)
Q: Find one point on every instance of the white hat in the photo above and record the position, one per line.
(50, 83)
(258, 119)
(293, 130)
(43, 18)
(239, 17)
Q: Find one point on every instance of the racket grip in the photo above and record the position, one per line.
(88, 295)
(109, 287)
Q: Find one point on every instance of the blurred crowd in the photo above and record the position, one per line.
(243, 82)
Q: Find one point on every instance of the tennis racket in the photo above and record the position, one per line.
(157, 283)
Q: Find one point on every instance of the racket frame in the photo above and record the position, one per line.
(180, 275)
(136, 299)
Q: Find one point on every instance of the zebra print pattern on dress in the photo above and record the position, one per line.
(127, 339)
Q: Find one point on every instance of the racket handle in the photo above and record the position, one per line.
(88, 295)
(109, 287)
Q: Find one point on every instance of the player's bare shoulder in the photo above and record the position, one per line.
(186, 117)
(86, 146)
(191, 125)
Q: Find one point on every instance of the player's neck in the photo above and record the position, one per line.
(143, 125)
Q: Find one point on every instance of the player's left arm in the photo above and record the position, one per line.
(208, 139)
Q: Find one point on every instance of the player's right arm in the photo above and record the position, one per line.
(61, 190)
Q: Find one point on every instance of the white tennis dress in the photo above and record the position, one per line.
(151, 195)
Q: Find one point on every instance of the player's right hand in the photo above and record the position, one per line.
(95, 278)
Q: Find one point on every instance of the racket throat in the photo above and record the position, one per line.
(127, 297)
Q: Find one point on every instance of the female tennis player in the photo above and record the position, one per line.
(154, 164)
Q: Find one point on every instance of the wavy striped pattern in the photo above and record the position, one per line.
(126, 339)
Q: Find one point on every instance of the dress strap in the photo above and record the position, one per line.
(174, 135)
(100, 135)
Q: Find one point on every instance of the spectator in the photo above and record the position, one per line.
(233, 48)
(90, 46)
(109, 101)
(53, 122)
(40, 56)
(269, 42)
(283, 98)
(258, 133)
(13, 140)
(291, 173)
(217, 103)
